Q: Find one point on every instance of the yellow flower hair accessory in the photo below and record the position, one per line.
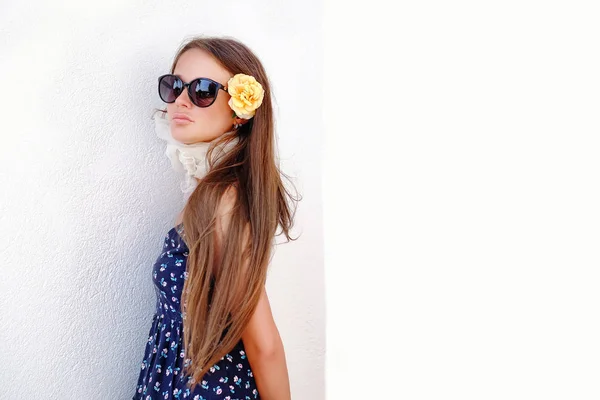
(246, 95)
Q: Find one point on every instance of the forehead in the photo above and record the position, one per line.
(196, 63)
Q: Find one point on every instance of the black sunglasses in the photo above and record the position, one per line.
(202, 91)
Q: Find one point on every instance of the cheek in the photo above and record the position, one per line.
(212, 118)
(222, 107)
(219, 116)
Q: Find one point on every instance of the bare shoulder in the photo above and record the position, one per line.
(223, 218)
(224, 207)
(227, 201)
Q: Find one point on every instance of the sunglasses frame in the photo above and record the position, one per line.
(189, 90)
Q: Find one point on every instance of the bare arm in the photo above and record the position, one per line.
(261, 338)
(266, 354)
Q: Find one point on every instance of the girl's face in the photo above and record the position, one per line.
(207, 123)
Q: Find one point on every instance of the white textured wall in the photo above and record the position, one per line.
(87, 194)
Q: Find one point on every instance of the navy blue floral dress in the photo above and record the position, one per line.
(161, 374)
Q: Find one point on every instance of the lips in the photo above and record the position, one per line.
(181, 117)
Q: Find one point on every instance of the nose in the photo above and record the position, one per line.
(184, 98)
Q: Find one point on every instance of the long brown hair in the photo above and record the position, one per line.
(219, 297)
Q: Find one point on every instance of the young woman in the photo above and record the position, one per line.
(213, 335)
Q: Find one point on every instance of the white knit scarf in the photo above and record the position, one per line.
(187, 158)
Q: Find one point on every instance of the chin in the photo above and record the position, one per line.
(183, 135)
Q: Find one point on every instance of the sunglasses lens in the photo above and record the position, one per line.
(203, 92)
(169, 88)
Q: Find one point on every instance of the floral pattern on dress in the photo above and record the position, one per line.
(161, 375)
